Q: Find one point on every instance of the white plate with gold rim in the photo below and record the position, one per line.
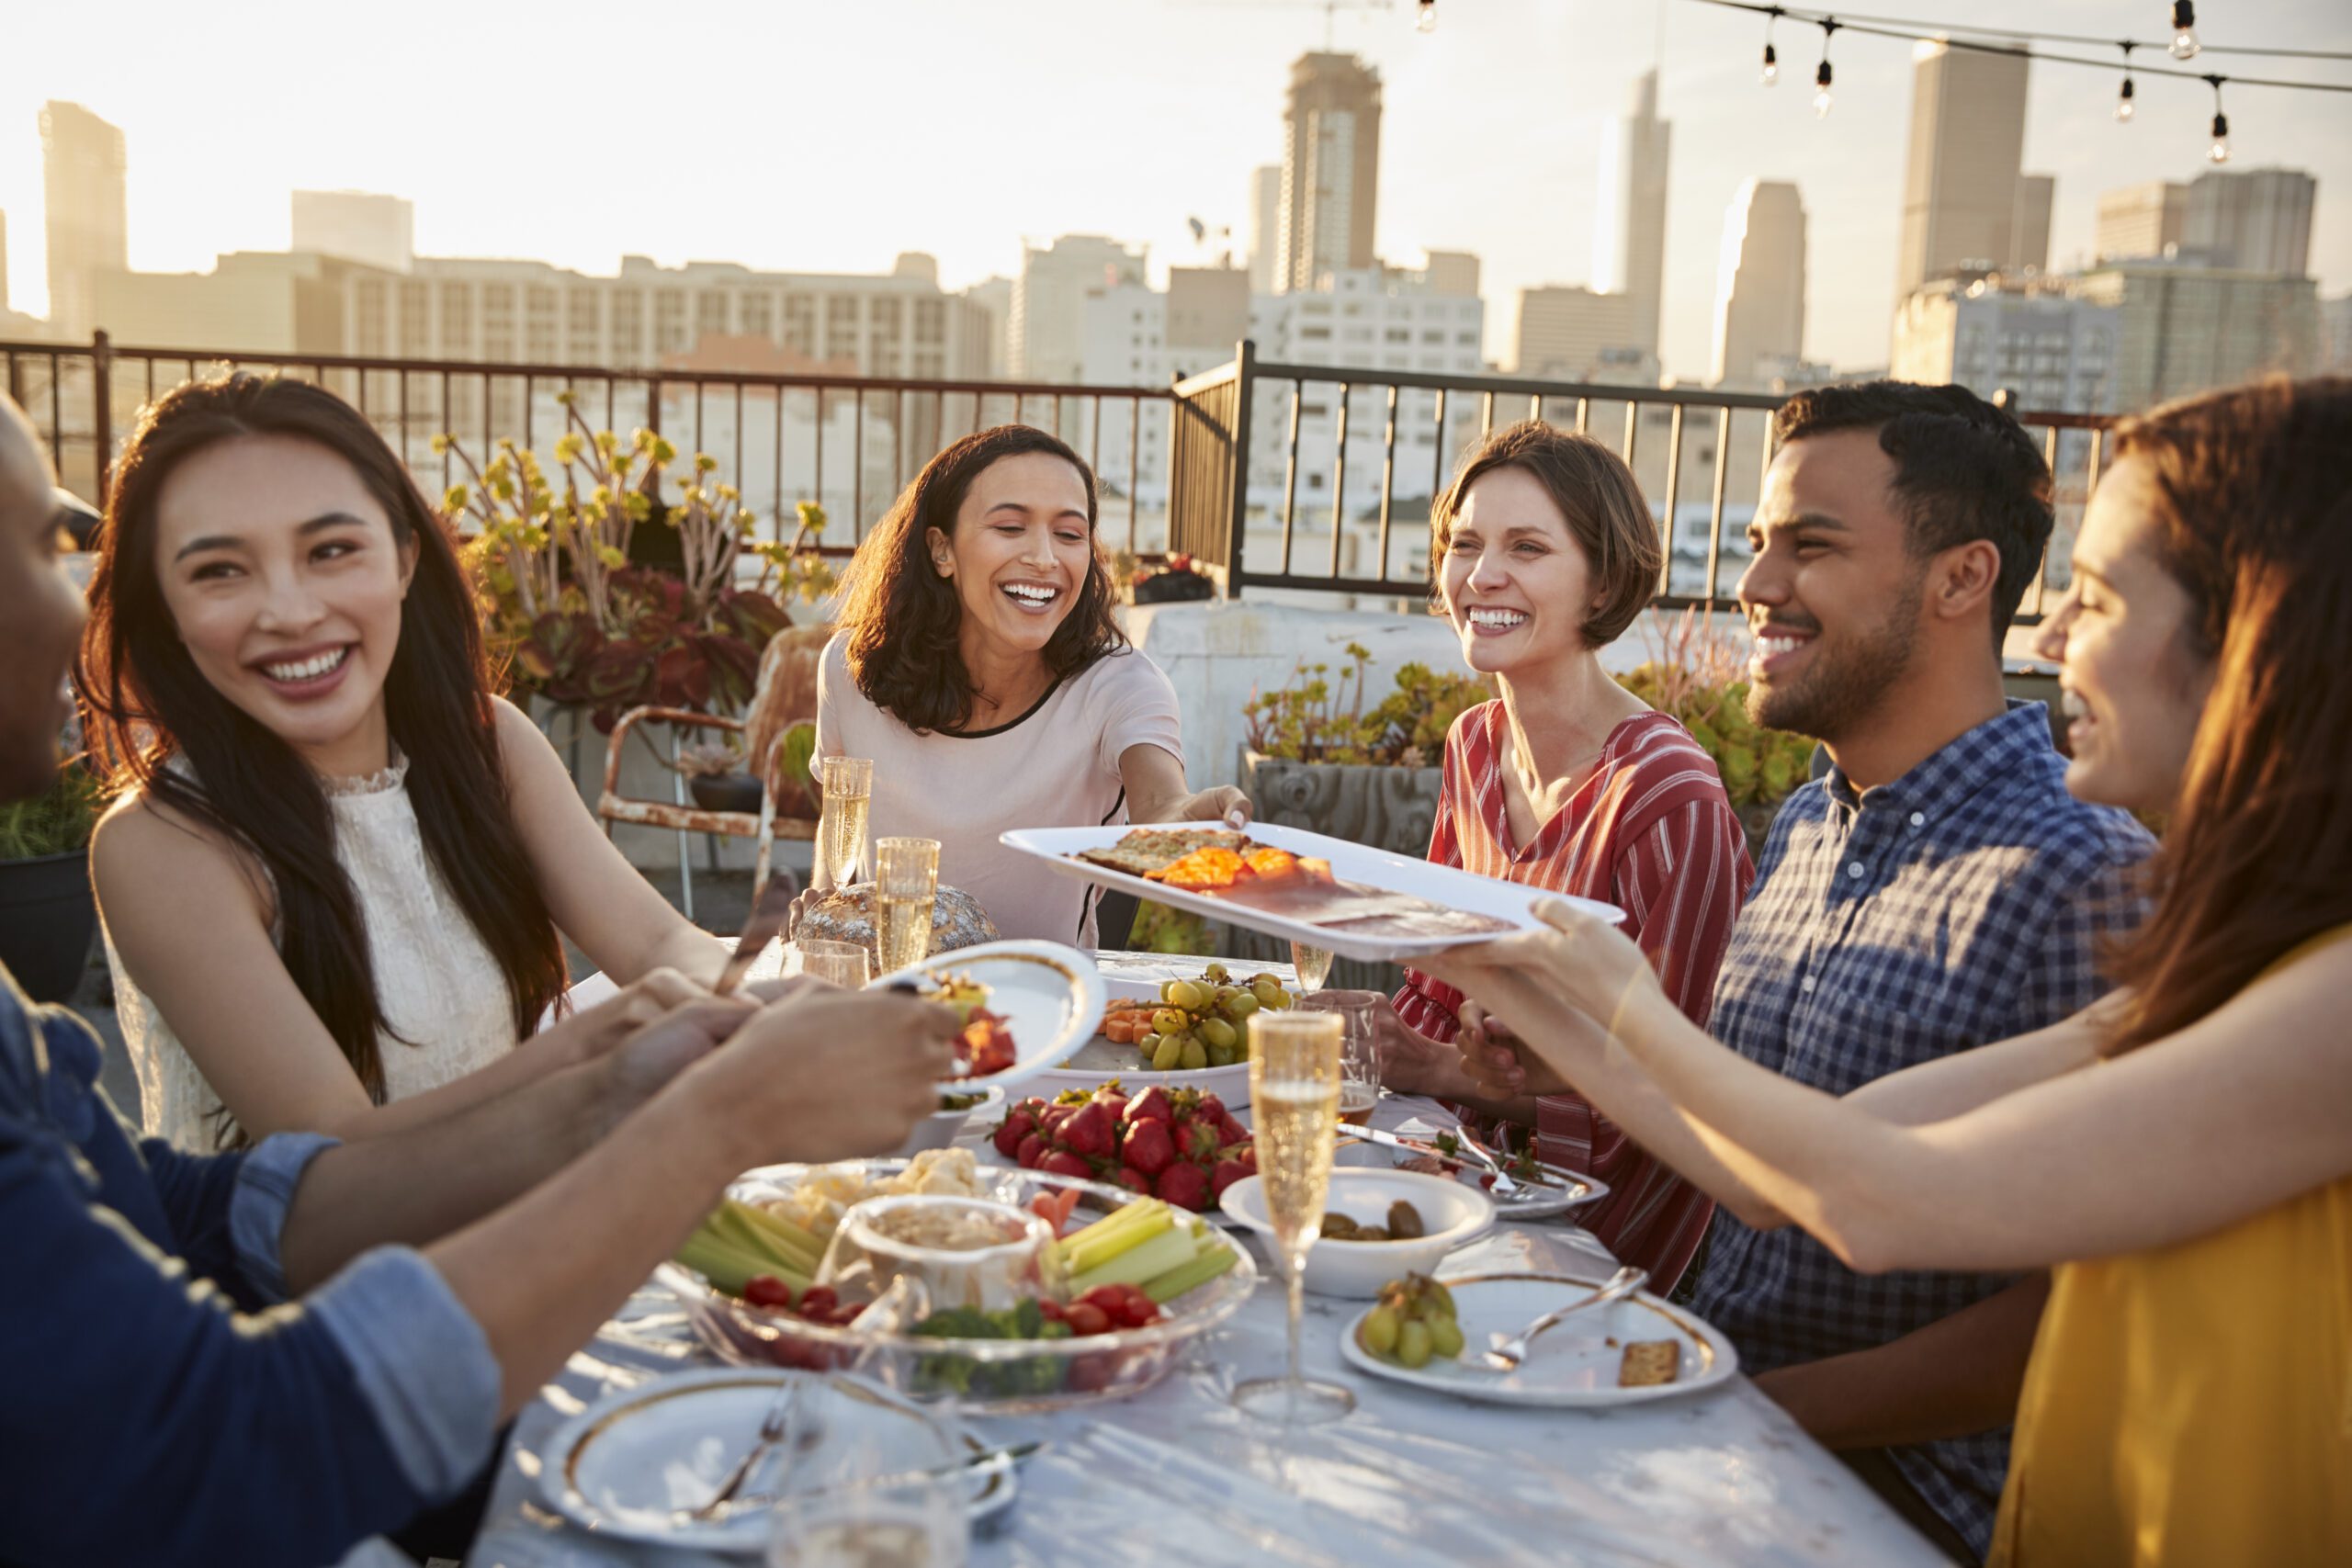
(1050, 997)
(1575, 1364)
(627, 1464)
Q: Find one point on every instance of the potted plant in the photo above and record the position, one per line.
(1177, 582)
(1694, 676)
(719, 778)
(47, 913)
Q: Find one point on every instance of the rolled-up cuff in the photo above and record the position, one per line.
(422, 1361)
(264, 1190)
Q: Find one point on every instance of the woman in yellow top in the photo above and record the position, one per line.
(2182, 1151)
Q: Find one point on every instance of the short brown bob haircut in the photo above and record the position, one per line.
(1594, 489)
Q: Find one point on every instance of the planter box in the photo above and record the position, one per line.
(48, 916)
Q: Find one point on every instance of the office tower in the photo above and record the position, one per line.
(2335, 334)
(1265, 227)
(2033, 338)
(2029, 223)
(1208, 312)
(1759, 294)
(1629, 248)
(1453, 273)
(1567, 332)
(2139, 220)
(1330, 169)
(2251, 220)
(2187, 328)
(1047, 332)
(1959, 185)
(82, 159)
(355, 225)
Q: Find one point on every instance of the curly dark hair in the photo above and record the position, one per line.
(902, 617)
(1964, 470)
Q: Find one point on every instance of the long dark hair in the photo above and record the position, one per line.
(2255, 521)
(148, 703)
(902, 617)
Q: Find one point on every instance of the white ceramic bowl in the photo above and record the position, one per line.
(1452, 1215)
(938, 1130)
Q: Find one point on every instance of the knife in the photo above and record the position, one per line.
(1552, 1176)
(760, 927)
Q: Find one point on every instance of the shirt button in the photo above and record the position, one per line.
(1919, 819)
(1805, 985)
(1854, 870)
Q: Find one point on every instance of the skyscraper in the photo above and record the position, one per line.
(82, 159)
(1959, 185)
(2251, 219)
(1759, 294)
(2139, 220)
(2029, 223)
(1330, 169)
(1265, 227)
(1046, 335)
(355, 225)
(1568, 333)
(1629, 248)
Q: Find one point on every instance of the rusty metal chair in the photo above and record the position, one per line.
(784, 694)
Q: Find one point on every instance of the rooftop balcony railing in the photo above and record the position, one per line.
(1278, 476)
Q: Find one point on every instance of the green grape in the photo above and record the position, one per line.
(1242, 1006)
(1168, 1021)
(1270, 996)
(1186, 995)
(1215, 1032)
(1377, 1333)
(1224, 1056)
(1195, 1055)
(1216, 974)
(1168, 1053)
(1168, 990)
(1445, 1337)
(1413, 1344)
(1439, 1297)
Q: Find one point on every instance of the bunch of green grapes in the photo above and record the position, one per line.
(1201, 1023)
(1413, 1323)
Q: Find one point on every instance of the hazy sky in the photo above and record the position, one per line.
(830, 134)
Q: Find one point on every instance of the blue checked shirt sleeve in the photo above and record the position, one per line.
(2065, 971)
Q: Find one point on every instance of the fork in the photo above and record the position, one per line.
(771, 1430)
(1505, 1184)
(1508, 1353)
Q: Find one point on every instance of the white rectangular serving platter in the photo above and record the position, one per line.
(1440, 884)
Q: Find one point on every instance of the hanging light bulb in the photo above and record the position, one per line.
(1821, 75)
(2220, 152)
(2184, 30)
(1771, 71)
(1426, 22)
(2123, 103)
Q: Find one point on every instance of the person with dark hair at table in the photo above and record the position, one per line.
(270, 1356)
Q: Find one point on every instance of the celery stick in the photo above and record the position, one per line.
(1171, 1248)
(1085, 1258)
(730, 1267)
(1112, 1225)
(764, 1232)
(1206, 1265)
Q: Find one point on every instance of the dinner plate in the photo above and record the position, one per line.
(1444, 886)
(1575, 1364)
(1531, 1202)
(1050, 997)
(626, 1464)
(1097, 1060)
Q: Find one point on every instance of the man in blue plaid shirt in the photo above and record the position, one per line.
(1940, 889)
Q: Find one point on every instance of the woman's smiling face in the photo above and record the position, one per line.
(1020, 552)
(285, 578)
(1518, 587)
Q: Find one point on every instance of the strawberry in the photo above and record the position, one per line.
(1061, 1162)
(1031, 1154)
(1149, 1147)
(1214, 1109)
(1231, 1133)
(1227, 1173)
(1112, 1099)
(1183, 1184)
(1050, 1120)
(1199, 1142)
(1151, 1105)
(1010, 1132)
(1248, 1158)
(1090, 1132)
(1134, 1180)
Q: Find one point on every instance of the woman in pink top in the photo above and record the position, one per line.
(1544, 553)
(978, 666)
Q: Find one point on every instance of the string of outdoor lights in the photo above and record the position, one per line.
(2183, 45)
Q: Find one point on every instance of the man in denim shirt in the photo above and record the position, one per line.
(166, 1402)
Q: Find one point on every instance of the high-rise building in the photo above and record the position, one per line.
(1330, 169)
(2251, 220)
(1208, 312)
(1265, 226)
(1960, 183)
(2335, 334)
(1629, 247)
(355, 225)
(2188, 328)
(4, 262)
(1047, 330)
(993, 296)
(2029, 223)
(81, 179)
(2031, 337)
(2139, 220)
(1452, 272)
(1759, 291)
(1567, 332)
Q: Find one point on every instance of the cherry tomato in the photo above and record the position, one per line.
(1085, 1318)
(818, 1298)
(767, 1291)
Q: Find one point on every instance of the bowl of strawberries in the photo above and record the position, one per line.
(1178, 1145)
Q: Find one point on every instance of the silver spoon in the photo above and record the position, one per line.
(1508, 1353)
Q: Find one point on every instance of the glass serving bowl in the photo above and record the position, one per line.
(1000, 1375)
(941, 1253)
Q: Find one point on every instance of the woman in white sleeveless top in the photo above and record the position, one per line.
(336, 889)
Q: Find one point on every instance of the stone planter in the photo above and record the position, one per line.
(725, 792)
(1383, 808)
(48, 916)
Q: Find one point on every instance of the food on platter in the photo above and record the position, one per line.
(1648, 1362)
(1182, 1147)
(1232, 868)
(941, 1226)
(1403, 1222)
(1196, 1024)
(1411, 1324)
(986, 1045)
(846, 914)
(818, 1203)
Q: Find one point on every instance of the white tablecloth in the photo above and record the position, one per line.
(1176, 1475)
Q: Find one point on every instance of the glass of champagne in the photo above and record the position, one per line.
(1314, 965)
(1295, 1110)
(1360, 1049)
(842, 964)
(917, 1521)
(841, 823)
(905, 882)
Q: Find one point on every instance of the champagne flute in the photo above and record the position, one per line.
(1314, 965)
(1361, 1065)
(918, 1522)
(842, 964)
(841, 823)
(906, 883)
(1295, 1109)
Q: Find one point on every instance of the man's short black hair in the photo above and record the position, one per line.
(1964, 470)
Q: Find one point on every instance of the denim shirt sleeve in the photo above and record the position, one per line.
(264, 1190)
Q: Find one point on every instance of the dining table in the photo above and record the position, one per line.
(1176, 1474)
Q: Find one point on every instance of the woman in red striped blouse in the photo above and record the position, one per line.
(1544, 553)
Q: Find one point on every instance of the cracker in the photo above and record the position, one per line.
(1648, 1362)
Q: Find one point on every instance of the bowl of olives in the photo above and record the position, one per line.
(1377, 1226)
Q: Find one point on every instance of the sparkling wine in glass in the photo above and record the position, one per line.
(1313, 964)
(841, 824)
(906, 884)
(1362, 1067)
(917, 1521)
(842, 964)
(1294, 1115)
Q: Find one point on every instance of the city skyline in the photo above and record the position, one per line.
(1482, 150)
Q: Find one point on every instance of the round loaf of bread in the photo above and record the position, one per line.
(847, 915)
